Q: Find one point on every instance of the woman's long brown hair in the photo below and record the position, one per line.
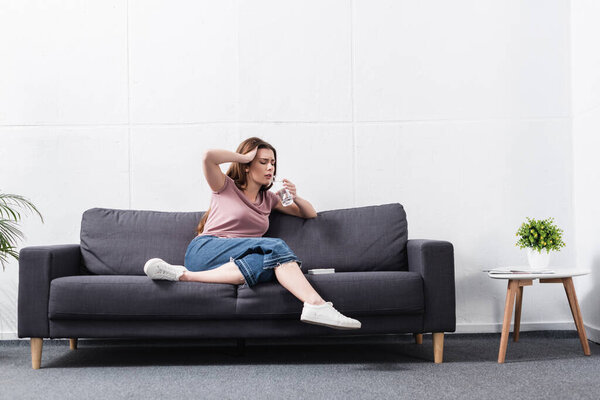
(236, 170)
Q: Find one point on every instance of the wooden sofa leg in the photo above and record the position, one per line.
(418, 338)
(36, 352)
(438, 347)
(73, 344)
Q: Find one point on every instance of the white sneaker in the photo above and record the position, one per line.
(326, 315)
(156, 268)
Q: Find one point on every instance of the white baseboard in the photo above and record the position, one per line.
(525, 326)
(593, 333)
(8, 336)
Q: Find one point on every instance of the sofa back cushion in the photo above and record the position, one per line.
(119, 242)
(369, 238)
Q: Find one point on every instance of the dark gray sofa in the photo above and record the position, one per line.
(97, 289)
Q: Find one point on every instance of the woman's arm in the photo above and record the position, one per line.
(211, 160)
(306, 209)
(300, 207)
(218, 156)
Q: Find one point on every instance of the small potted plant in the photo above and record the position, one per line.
(539, 237)
(9, 218)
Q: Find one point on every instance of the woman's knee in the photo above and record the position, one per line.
(287, 265)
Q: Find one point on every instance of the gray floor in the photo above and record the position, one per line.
(542, 365)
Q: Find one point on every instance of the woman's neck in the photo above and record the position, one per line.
(251, 191)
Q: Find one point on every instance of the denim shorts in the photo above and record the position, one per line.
(255, 257)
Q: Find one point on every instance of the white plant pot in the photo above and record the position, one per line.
(538, 259)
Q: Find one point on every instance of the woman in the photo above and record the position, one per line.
(230, 248)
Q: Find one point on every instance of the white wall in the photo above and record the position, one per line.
(458, 110)
(586, 142)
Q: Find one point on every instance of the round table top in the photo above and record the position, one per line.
(557, 272)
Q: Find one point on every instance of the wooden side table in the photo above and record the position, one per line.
(516, 282)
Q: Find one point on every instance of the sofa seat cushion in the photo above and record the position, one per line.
(352, 293)
(115, 297)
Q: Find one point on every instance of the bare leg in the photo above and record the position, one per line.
(315, 310)
(226, 273)
(291, 277)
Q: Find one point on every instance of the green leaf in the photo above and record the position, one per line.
(10, 234)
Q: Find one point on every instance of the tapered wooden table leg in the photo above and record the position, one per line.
(418, 338)
(36, 352)
(73, 344)
(518, 314)
(511, 291)
(516, 281)
(574, 304)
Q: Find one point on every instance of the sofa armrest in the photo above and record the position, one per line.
(38, 266)
(434, 260)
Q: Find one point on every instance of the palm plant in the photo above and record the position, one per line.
(9, 219)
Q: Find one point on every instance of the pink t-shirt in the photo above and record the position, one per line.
(233, 215)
